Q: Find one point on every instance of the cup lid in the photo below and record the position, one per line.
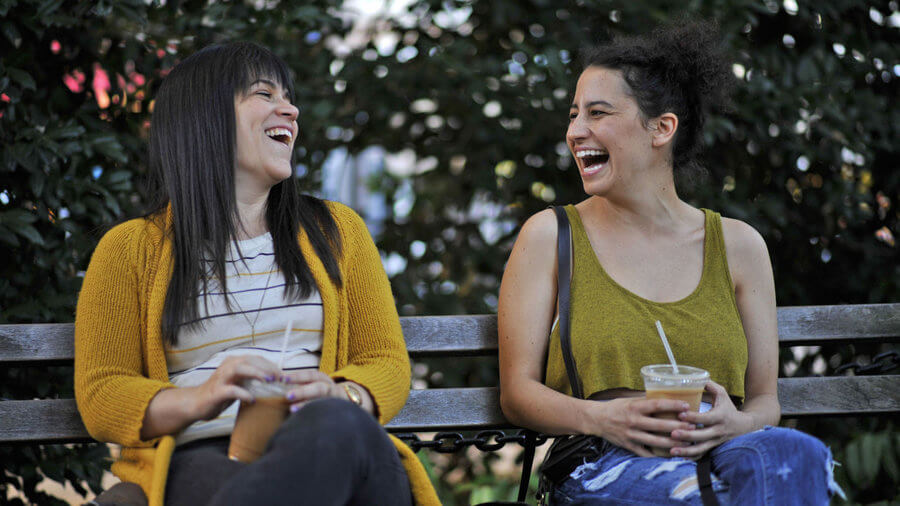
(665, 372)
(262, 389)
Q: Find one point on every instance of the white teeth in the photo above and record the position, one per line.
(275, 132)
(590, 152)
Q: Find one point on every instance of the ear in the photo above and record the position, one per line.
(664, 128)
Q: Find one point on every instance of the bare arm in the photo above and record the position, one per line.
(525, 315)
(755, 292)
(751, 273)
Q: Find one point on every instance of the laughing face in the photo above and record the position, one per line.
(266, 124)
(606, 135)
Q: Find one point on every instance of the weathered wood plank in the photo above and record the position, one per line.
(456, 335)
(469, 335)
(40, 343)
(817, 325)
(57, 421)
(44, 421)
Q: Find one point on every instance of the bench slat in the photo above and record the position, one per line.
(57, 420)
(468, 335)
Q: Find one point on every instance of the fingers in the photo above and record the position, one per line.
(320, 387)
(715, 388)
(238, 368)
(694, 451)
(305, 376)
(650, 406)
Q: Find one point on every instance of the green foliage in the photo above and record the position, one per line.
(479, 93)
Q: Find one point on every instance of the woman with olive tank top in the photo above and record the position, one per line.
(641, 254)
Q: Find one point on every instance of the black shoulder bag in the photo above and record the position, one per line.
(567, 452)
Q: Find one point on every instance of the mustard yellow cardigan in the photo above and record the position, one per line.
(120, 361)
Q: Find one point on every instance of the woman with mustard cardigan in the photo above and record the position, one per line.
(235, 278)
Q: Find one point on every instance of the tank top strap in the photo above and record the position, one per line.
(715, 257)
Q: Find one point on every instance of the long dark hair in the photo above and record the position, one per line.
(192, 163)
(678, 68)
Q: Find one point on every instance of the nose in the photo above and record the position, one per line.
(577, 129)
(288, 110)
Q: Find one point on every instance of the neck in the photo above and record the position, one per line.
(252, 215)
(652, 204)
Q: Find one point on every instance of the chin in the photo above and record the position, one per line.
(595, 186)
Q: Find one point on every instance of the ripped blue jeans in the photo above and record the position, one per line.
(773, 466)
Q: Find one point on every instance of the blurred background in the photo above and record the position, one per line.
(443, 123)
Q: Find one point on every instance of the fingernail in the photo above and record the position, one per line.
(685, 406)
(270, 378)
(294, 409)
(285, 379)
(290, 397)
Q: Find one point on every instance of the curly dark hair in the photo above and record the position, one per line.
(678, 68)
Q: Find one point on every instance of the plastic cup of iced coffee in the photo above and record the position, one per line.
(662, 382)
(257, 421)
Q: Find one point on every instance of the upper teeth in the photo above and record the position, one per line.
(273, 132)
(590, 152)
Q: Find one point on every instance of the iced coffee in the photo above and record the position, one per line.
(662, 382)
(257, 421)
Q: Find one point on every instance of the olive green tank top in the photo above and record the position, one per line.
(613, 330)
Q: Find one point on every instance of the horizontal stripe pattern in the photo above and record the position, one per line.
(255, 289)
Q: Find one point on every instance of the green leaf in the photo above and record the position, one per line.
(47, 8)
(17, 217)
(23, 78)
(66, 132)
(11, 33)
(889, 460)
(872, 448)
(853, 464)
(31, 234)
(7, 237)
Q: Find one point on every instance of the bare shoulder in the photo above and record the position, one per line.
(540, 228)
(740, 237)
(746, 249)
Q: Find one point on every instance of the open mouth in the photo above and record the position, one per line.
(282, 135)
(593, 158)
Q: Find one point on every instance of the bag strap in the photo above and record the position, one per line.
(704, 481)
(563, 284)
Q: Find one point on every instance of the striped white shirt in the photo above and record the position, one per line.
(255, 290)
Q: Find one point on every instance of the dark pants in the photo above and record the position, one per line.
(328, 453)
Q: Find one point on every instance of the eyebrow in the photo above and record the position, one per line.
(591, 104)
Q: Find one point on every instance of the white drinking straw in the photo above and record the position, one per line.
(287, 334)
(662, 335)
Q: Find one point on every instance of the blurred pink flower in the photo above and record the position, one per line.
(74, 81)
(101, 86)
(884, 235)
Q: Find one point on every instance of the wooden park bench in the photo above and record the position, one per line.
(449, 411)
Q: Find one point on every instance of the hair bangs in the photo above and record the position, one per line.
(252, 63)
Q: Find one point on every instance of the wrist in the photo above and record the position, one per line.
(586, 414)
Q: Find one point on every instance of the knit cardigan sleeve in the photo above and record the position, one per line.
(111, 387)
(377, 359)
